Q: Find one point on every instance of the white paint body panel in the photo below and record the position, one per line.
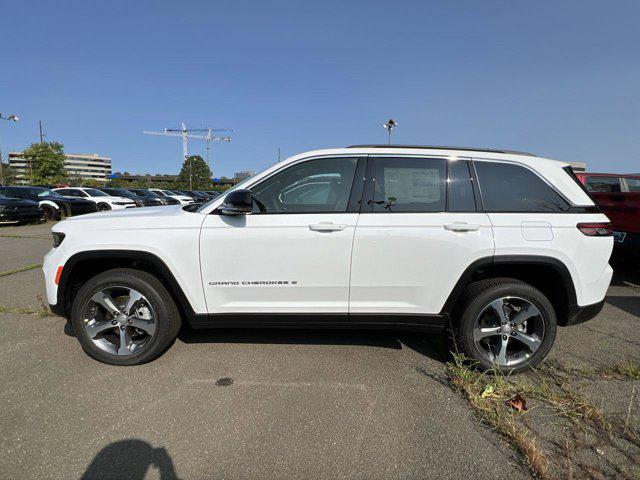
(408, 262)
(238, 250)
(167, 232)
(586, 258)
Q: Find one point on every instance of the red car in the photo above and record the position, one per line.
(618, 196)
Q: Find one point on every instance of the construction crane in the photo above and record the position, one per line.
(185, 134)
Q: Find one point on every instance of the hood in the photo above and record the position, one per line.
(116, 199)
(134, 214)
(71, 200)
(131, 220)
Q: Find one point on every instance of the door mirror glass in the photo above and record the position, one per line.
(238, 202)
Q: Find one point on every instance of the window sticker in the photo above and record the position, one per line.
(412, 185)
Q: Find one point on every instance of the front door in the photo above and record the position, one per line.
(292, 254)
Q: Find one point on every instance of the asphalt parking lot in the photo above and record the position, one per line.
(259, 404)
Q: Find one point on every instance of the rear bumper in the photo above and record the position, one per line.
(578, 314)
(13, 217)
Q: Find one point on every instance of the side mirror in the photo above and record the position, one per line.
(238, 202)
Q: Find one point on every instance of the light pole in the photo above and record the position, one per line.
(10, 118)
(389, 126)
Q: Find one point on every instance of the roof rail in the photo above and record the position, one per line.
(436, 147)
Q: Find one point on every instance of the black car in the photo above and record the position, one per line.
(17, 210)
(53, 205)
(144, 193)
(197, 196)
(141, 200)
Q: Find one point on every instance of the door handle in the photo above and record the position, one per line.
(462, 227)
(326, 227)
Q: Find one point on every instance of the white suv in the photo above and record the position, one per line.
(498, 247)
(102, 200)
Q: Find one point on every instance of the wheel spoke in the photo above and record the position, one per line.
(528, 311)
(125, 340)
(148, 326)
(498, 307)
(529, 340)
(105, 300)
(484, 332)
(94, 328)
(501, 357)
(133, 298)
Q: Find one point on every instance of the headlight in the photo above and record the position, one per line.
(58, 237)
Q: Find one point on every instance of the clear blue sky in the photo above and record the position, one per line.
(559, 78)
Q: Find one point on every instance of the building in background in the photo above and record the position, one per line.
(243, 175)
(83, 165)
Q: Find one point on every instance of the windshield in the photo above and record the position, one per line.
(47, 193)
(121, 192)
(94, 192)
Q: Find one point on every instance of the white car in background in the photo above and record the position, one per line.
(183, 199)
(102, 200)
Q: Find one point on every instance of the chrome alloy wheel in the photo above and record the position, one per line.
(509, 330)
(119, 320)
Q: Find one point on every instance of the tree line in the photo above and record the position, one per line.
(46, 167)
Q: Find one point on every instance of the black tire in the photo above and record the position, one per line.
(167, 317)
(103, 207)
(49, 213)
(477, 297)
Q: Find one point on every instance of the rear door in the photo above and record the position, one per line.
(419, 229)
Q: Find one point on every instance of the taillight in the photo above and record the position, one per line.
(602, 229)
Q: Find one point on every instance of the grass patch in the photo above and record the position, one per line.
(24, 268)
(561, 434)
(628, 370)
(41, 312)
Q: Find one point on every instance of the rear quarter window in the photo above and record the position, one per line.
(512, 188)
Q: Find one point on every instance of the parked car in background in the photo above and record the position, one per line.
(17, 210)
(145, 193)
(212, 193)
(140, 201)
(197, 196)
(618, 196)
(182, 198)
(53, 205)
(102, 200)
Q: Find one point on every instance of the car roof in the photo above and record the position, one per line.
(441, 147)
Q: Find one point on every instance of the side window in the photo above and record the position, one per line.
(313, 186)
(633, 184)
(64, 192)
(512, 188)
(461, 197)
(603, 184)
(409, 185)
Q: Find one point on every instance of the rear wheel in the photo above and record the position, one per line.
(505, 324)
(124, 317)
(49, 213)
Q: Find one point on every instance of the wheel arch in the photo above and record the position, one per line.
(83, 265)
(548, 274)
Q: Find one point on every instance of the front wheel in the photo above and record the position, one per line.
(505, 324)
(124, 317)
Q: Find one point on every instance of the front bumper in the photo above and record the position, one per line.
(20, 216)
